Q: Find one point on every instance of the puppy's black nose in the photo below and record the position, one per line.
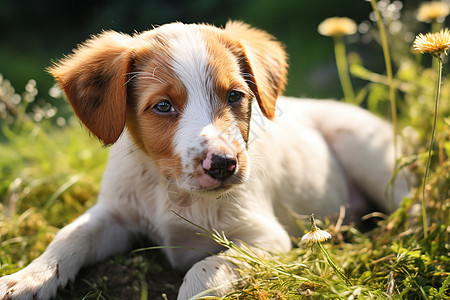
(220, 167)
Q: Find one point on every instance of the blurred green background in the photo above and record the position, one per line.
(35, 33)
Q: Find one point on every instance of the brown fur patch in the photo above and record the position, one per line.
(57, 271)
(94, 79)
(264, 62)
(228, 77)
(11, 284)
(154, 82)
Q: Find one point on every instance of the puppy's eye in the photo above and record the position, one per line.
(234, 96)
(164, 107)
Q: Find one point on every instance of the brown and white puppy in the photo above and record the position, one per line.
(177, 103)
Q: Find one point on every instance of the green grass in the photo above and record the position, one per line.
(49, 176)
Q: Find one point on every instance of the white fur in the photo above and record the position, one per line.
(190, 65)
(303, 161)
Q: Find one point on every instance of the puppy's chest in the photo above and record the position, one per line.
(151, 211)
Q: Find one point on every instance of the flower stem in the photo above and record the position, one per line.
(342, 67)
(433, 134)
(333, 265)
(387, 61)
(435, 27)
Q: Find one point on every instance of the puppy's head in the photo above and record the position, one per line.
(184, 92)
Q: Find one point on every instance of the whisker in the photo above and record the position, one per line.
(261, 170)
(233, 197)
(131, 78)
(250, 78)
(145, 75)
(130, 151)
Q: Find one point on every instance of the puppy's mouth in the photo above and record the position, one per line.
(205, 185)
(187, 196)
(215, 191)
(185, 193)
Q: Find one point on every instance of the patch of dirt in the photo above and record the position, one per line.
(125, 277)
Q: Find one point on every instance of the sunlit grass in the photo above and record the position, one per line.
(50, 175)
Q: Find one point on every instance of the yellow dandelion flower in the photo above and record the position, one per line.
(430, 11)
(315, 235)
(337, 26)
(433, 43)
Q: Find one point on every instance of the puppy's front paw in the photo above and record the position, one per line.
(213, 276)
(35, 282)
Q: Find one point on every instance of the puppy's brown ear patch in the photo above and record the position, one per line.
(94, 79)
(263, 60)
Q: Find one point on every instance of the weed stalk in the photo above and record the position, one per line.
(389, 73)
(342, 67)
(333, 265)
(430, 148)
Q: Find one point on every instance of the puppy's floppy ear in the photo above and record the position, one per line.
(263, 61)
(94, 79)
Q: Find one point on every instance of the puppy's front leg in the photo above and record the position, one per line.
(217, 275)
(93, 236)
(214, 275)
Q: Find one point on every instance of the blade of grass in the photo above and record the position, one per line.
(389, 73)
(171, 247)
(445, 284)
(144, 288)
(72, 180)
